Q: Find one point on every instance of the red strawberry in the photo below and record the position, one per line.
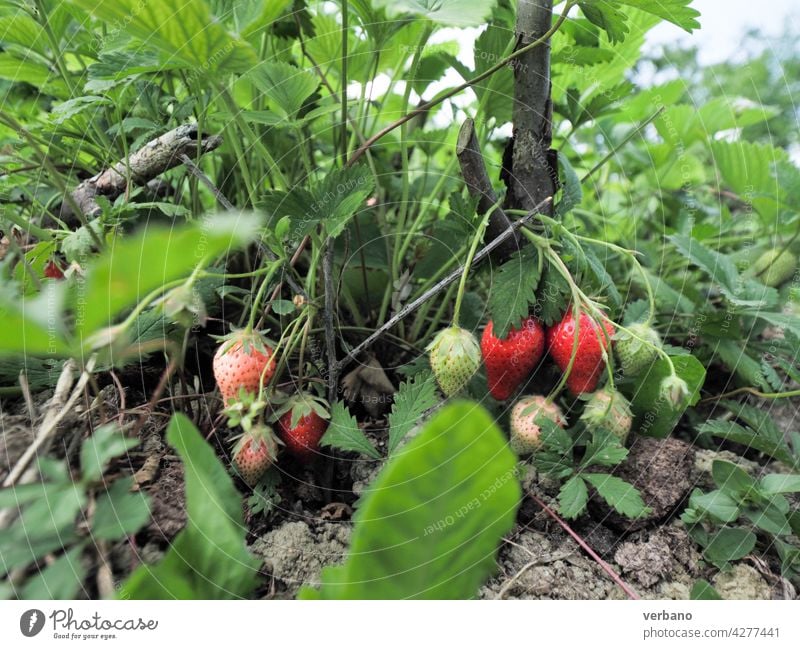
(241, 362)
(590, 353)
(302, 427)
(254, 454)
(510, 360)
(53, 271)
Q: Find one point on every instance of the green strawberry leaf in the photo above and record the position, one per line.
(513, 290)
(209, 559)
(415, 396)
(621, 495)
(431, 524)
(655, 416)
(343, 433)
(572, 497)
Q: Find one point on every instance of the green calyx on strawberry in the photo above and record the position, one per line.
(609, 410)
(526, 420)
(590, 354)
(244, 361)
(637, 348)
(511, 359)
(774, 267)
(455, 357)
(302, 420)
(254, 453)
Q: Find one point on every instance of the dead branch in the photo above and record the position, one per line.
(142, 166)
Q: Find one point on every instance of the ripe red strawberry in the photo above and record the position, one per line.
(53, 270)
(510, 360)
(590, 353)
(254, 453)
(525, 432)
(302, 425)
(455, 357)
(240, 362)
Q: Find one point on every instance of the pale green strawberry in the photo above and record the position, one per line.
(775, 267)
(636, 350)
(455, 357)
(608, 409)
(525, 432)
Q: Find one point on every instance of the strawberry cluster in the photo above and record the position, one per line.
(579, 346)
(244, 366)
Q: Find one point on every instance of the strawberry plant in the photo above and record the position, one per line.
(342, 270)
(761, 504)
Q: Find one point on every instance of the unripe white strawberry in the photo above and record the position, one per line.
(638, 349)
(525, 432)
(455, 357)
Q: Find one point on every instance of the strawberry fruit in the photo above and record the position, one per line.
(775, 267)
(53, 270)
(455, 357)
(242, 361)
(525, 432)
(638, 349)
(590, 355)
(609, 410)
(254, 453)
(511, 359)
(302, 425)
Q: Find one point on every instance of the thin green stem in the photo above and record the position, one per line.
(274, 267)
(476, 239)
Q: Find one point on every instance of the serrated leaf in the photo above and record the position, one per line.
(183, 33)
(572, 497)
(607, 16)
(430, 525)
(678, 12)
(343, 433)
(453, 13)
(286, 86)
(621, 495)
(513, 291)
(734, 432)
(415, 396)
(720, 268)
(553, 296)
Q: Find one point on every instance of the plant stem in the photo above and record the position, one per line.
(476, 239)
(260, 295)
(443, 283)
(454, 91)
